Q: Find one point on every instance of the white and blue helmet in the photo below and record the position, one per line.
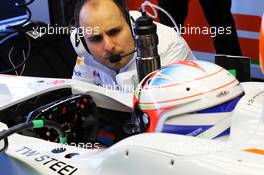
(188, 97)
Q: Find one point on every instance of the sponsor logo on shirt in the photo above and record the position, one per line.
(77, 73)
(79, 61)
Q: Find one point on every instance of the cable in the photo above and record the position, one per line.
(7, 37)
(28, 11)
(24, 61)
(35, 124)
(24, 4)
(152, 6)
(17, 30)
(10, 60)
(24, 65)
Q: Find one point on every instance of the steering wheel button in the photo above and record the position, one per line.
(64, 110)
(50, 116)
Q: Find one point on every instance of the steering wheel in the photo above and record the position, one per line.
(77, 115)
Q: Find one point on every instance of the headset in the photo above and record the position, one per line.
(78, 41)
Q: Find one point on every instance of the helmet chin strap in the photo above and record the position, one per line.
(118, 57)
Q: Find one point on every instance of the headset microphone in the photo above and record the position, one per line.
(118, 57)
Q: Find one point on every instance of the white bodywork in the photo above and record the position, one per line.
(156, 153)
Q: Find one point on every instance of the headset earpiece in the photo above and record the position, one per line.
(78, 43)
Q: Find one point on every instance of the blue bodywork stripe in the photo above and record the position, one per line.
(185, 130)
(225, 132)
(191, 130)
